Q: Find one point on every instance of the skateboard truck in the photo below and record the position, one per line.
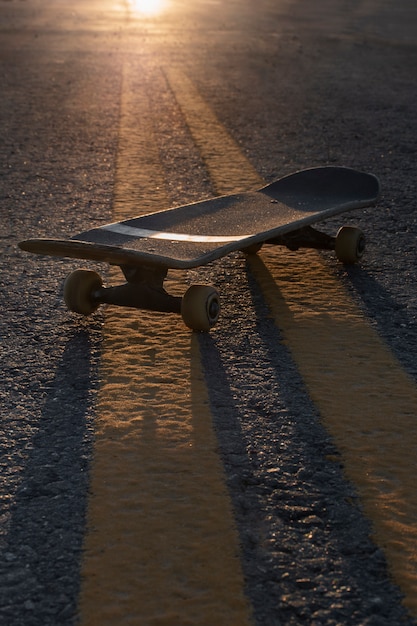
(199, 307)
(309, 237)
(143, 290)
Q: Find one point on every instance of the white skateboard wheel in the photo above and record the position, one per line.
(200, 307)
(79, 287)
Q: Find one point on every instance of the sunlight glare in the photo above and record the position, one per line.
(148, 7)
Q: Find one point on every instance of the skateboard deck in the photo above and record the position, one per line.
(282, 212)
(195, 234)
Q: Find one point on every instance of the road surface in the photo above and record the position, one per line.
(263, 473)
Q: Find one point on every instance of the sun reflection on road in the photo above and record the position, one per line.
(148, 7)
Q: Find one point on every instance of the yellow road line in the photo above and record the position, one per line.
(367, 402)
(161, 547)
(228, 167)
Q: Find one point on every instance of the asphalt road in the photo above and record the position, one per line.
(295, 84)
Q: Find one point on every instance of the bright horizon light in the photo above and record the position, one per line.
(148, 7)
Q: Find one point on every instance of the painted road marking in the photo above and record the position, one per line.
(366, 400)
(229, 169)
(161, 546)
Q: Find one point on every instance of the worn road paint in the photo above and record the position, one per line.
(367, 402)
(161, 547)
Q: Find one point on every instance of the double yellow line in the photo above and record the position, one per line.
(161, 546)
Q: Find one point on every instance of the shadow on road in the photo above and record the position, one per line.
(47, 522)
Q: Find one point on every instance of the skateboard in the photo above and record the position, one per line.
(146, 247)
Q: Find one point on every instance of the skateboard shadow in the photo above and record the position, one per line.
(276, 458)
(47, 519)
(235, 453)
(283, 470)
(393, 321)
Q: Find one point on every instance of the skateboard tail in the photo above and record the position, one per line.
(359, 189)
